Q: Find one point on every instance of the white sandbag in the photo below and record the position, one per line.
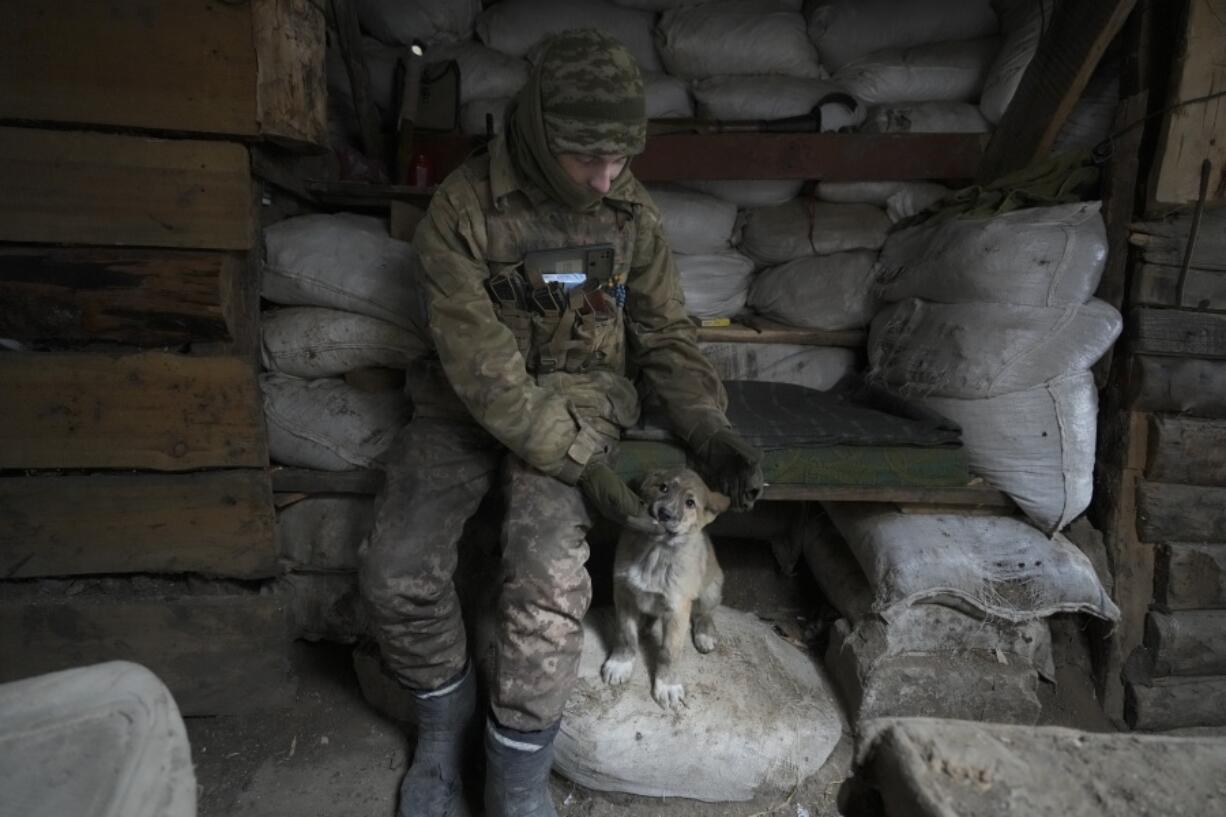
(323, 532)
(767, 97)
(736, 37)
(715, 285)
(998, 565)
(830, 292)
(344, 261)
(749, 192)
(925, 117)
(475, 115)
(1022, 24)
(1036, 445)
(667, 97)
(694, 223)
(845, 30)
(1093, 117)
(940, 72)
(1037, 256)
(328, 425)
(801, 227)
(817, 367)
(399, 22)
(900, 199)
(309, 341)
(978, 350)
(760, 717)
(515, 26)
(484, 72)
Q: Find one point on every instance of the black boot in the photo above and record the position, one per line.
(431, 786)
(517, 772)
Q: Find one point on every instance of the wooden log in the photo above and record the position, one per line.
(1187, 450)
(1190, 576)
(1158, 285)
(291, 88)
(150, 410)
(1178, 332)
(212, 522)
(1166, 241)
(1178, 385)
(1175, 703)
(221, 650)
(1180, 513)
(68, 187)
(1119, 190)
(1189, 642)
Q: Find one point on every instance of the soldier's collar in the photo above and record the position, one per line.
(504, 180)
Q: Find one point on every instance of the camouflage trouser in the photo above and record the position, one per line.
(437, 475)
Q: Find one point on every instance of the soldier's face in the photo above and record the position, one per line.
(593, 171)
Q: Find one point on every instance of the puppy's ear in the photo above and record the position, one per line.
(717, 503)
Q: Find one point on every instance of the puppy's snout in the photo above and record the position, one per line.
(662, 512)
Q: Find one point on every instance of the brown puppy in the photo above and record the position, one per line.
(671, 575)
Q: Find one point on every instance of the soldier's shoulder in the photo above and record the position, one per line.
(645, 208)
(464, 186)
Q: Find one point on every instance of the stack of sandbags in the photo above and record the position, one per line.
(991, 322)
(1022, 25)
(901, 199)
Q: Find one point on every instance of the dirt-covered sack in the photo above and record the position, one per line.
(749, 192)
(1022, 24)
(845, 30)
(327, 424)
(311, 341)
(767, 97)
(667, 97)
(515, 26)
(939, 72)
(801, 227)
(736, 37)
(1035, 445)
(343, 261)
(324, 532)
(817, 367)
(978, 350)
(694, 223)
(480, 114)
(760, 717)
(1037, 256)
(398, 22)
(716, 284)
(484, 72)
(925, 117)
(997, 565)
(830, 292)
(901, 199)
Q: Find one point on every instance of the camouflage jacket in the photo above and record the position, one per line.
(482, 221)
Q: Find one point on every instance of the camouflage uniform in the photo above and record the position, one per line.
(535, 395)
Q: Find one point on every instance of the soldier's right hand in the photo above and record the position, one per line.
(614, 499)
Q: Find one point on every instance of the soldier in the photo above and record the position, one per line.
(530, 383)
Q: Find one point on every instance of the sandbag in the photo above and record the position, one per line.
(939, 72)
(758, 707)
(1037, 256)
(977, 350)
(925, 117)
(484, 72)
(736, 37)
(715, 285)
(1022, 24)
(694, 223)
(817, 367)
(323, 532)
(767, 97)
(1035, 445)
(311, 341)
(400, 23)
(845, 30)
(749, 192)
(344, 261)
(900, 199)
(830, 292)
(802, 227)
(515, 26)
(667, 97)
(996, 565)
(475, 115)
(328, 425)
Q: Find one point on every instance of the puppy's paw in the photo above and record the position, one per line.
(704, 642)
(616, 670)
(668, 694)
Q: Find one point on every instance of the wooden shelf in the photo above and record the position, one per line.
(756, 330)
(366, 195)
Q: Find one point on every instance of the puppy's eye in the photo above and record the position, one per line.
(690, 503)
(663, 488)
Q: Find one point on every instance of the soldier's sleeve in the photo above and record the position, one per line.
(478, 353)
(664, 341)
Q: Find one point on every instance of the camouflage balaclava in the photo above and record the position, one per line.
(585, 95)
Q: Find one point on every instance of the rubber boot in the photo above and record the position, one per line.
(431, 786)
(517, 772)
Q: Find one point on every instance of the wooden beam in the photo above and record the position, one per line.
(762, 331)
(1165, 241)
(1180, 513)
(1066, 57)
(1189, 642)
(1158, 285)
(214, 522)
(1181, 332)
(1191, 576)
(1187, 450)
(65, 187)
(1119, 202)
(1175, 703)
(971, 496)
(1182, 385)
(291, 88)
(150, 410)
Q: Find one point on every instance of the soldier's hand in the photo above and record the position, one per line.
(734, 467)
(614, 499)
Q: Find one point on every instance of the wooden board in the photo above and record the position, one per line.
(1180, 513)
(137, 296)
(291, 89)
(1119, 200)
(1191, 576)
(1178, 384)
(1188, 135)
(1178, 332)
(221, 653)
(150, 410)
(1187, 450)
(1165, 241)
(213, 522)
(1158, 285)
(1189, 642)
(68, 187)
(1175, 703)
(763, 331)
